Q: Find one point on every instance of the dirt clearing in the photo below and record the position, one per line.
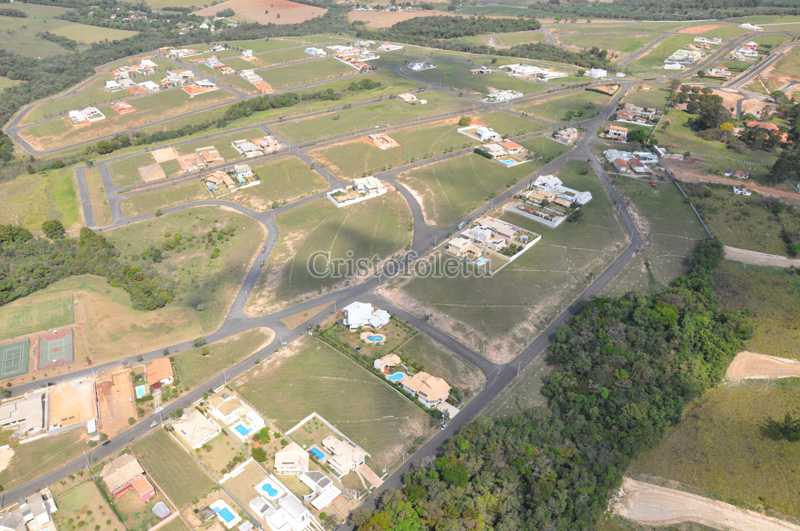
(386, 19)
(152, 172)
(115, 401)
(697, 30)
(266, 11)
(753, 366)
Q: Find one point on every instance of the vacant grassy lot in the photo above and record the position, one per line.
(387, 113)
(172, 468)
(97, 197)
(654, 61)
(719, 450)
(206, 251)
(151, 201)
(714, 156)
(6, 82)
(197, 365)
(83, 506)
(618, 38)
(504, 40)
(375, 228)
(281, 180)
(648, 96)
(20, 318)
(510, 124)
(746, 222)
(671, 228)
(576, 106)
(453, 188)
(35, 458)
(318, 378)
(360, 157)
(498, 315)
(544, 149)
(304, 73)
(771, 297)
(31, 199)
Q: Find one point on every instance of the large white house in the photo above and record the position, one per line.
(358, 314)
(291, 459)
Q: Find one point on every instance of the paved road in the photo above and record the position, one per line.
(754, 71)
(86, 198)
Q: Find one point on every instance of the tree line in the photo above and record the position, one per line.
(665, 9)
(623, 370)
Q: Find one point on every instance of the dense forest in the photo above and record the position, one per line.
(665, 9)
(453, 27)
(623, 370)
(29, 264)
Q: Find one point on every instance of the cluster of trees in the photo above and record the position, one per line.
(12, 12)
(787, 167)
(591, 58)
(445, 27)
(624, 368)
(29, 264)
(236, 111)
(667, 9)
(787, 429)
(707, 107)
(64, 42)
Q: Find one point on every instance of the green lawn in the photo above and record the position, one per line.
(499, 315)
(654, 61)
(172, 468)
(360, 404)
(746, 222)
(35, 458)
(281, 180)
(571, 107)
(718, 448)
(544, 149)
(197, 365)
(770, 296)
(672, 231)
(510, 124)
(295, 75)
(648, 96)
(150, 201)
(83, 506)
(618, 39)
(206, 251)
(452, 189)
(361, 157)
(435, 359)
(31, 199)
(47, 313)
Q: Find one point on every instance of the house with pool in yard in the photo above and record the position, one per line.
(294, 460)
(491, 243)
(431, 391)
(548, 201)
(235, 415)
(360, 314)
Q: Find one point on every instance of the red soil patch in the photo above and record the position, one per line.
(697, 30)
(266, 11)
(385, 19)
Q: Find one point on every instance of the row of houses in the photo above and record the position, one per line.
(746, 52)
(631, 162)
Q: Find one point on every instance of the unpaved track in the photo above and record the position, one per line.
(653, 505)
(753, 366)
(746, 256)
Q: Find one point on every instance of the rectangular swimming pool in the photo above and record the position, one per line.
(317, 454)
(242, 430)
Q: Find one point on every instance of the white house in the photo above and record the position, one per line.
(344, 456)
(279, 508)
(291, 459)
(196, 429)
(323, 490)
(596, 73)
(486, 134)
(358, 314)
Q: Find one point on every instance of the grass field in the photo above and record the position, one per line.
(503, 40)
(35, 458)
(172, 468)
(83, 506)
(20, 318)
(672, 231)
(433, 358)
(718, 448)
(150, 201)
(770, 296)
(648, 96)
(571, 107)
(453, 188)
(20, 35)
(304, 73)
(6, 82)
(715, 157)
(375, 228)
(746, 222)
(360, 157)
(392, 112)
(498, 315)
(197, 365)
(654, 61)
(318, 378)
(97, 197)
(619, 39)
(204, 250)
(31, 199)
(281, 180)
(544, 149)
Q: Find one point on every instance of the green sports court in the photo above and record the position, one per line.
(14, 358)
(55, 348)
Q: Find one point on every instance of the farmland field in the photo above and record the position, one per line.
(172, 468)
(718, 448)
(300, 74)
(498, 315)
(31, 199)
(269, 12)
(318, 378)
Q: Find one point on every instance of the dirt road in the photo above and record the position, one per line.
(686, 171)
(746, 256)
(650, 504)
(753, 366)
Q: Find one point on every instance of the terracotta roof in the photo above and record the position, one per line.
(769, 126)
(157, 370)
(428, 386)
(120, 472)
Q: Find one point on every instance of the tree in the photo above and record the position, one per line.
(786, 167)
(787, 429)
(638, 135)
(259, 454)
(464, 121)
(54, 229)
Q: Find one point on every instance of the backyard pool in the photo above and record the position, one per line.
(141, 391)
(225, 513)
(242, 429)
(396, 377)
(376, 338)
(270, 490)
(317, 454)
(507, 162)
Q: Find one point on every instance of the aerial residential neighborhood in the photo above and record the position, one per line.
(298, 265)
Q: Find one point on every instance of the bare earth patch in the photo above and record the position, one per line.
(6, 455)
(697, 30)
(753, 366)
(385, 19)
(266, 11)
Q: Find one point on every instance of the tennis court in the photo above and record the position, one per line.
(21, 319)
(14, 358)
(55, 348)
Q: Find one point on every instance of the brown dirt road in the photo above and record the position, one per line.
(753, 366)
(653, 505)
(685, 171)
(746, 256)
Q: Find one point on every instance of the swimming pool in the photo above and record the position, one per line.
(141, 391)
(225, 514)
(242, 430)
(269, 489)
(317, 454)
(396, 377)
(507, 162)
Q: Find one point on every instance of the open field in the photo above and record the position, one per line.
(360, 157)
(745, 222)
(770, 296)
(392, 112)
(654, 61)
(718, 445)
(6, 82)
(544, 149)
(375, 228)
(97, 197)
(385, 19)
(197, 365)
(172, 468)
(282, 180)
(204, 250)
(35, 458)
(151, 201)
(569, 107)
(648, 95)
(83, 506)
(498, 315)
(455, 187)
(282, 78)
(671, 229)
(20, 35)
(318, 378)
(31, 199)
(269, 12)
(619, 39)
(18, 318)
(504, 40)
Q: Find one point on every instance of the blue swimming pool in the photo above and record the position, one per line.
(507, 162)
(225, 514)
(317, 454)
(396, 377)
(141, 391)
(269, 490)
(242, 430)
(375, 338)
